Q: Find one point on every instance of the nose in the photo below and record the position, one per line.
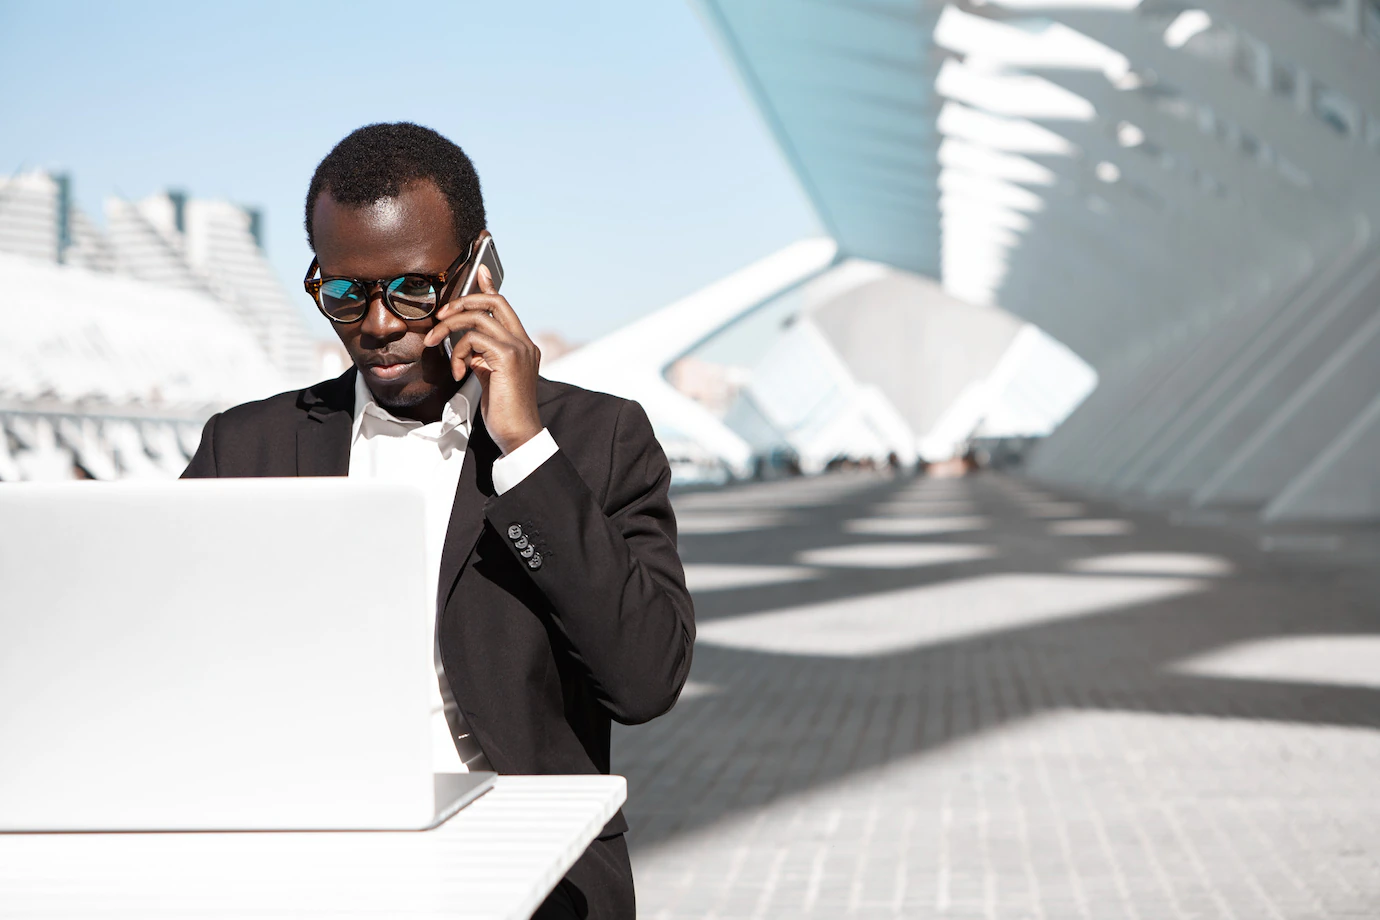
(379, 321)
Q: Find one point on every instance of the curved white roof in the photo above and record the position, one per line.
(76, 336)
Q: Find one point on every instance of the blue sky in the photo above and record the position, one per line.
(622, 164)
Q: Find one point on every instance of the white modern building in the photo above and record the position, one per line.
(1183, 195)
(123, 340)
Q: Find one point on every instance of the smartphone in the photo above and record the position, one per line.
(486, 254)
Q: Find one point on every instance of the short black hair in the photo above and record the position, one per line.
(376, 161)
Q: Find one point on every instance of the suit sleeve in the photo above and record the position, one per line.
(203, 465)
(611, 572)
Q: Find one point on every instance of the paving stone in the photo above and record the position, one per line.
(1057, 766)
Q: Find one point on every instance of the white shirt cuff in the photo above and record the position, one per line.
(511, 469)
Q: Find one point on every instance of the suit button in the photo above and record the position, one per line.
(535, 562)
(527, 552)
(514, 531)
(521, 543)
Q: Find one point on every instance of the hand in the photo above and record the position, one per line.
(496, 348)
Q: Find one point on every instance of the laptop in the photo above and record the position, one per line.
(248, 654)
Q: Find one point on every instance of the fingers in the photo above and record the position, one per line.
(476, 350)
(487, 300)
(464, 320)
(484, 343)
(505, 314)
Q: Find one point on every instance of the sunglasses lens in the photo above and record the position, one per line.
(344, 300)
(412, 296)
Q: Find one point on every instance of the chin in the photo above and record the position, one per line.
(405, 396)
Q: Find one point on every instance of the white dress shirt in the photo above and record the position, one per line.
(389, 449)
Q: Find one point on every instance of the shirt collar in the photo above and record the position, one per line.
(458, 411)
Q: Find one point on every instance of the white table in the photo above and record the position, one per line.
(498, 858)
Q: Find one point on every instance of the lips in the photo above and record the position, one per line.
(387, 368)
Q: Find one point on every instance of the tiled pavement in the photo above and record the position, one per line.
(971, 698)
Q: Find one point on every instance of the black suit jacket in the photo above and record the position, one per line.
(539, 660)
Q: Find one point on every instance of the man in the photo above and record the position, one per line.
(561, 602)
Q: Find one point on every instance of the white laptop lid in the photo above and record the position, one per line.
(214, 654)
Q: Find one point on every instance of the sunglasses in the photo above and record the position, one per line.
(411, 296)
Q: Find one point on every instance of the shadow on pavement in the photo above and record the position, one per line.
(760, 724)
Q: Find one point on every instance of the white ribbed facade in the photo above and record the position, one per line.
(213, 252)
(30, 225)
(1184, 195)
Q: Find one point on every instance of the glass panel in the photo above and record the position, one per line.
(1335, 110)
(1283, 79)
(1373, 133)
(1248, 62)
(1339, 14)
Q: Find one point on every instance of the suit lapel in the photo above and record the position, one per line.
(323, 438)
(467, 512)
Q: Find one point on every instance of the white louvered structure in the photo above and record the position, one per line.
(1182, 192)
